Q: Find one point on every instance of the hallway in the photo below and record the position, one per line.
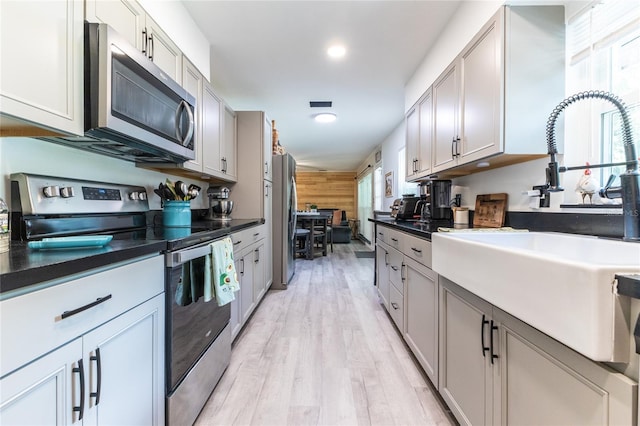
(323, 352)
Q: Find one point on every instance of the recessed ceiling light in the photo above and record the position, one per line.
(336, 51)
(325, 117)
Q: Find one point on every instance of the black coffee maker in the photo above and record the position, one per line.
(437, 201)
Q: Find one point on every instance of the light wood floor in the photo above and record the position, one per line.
(323, 352)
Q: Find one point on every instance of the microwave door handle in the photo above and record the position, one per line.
(192, 124)
(184, 106)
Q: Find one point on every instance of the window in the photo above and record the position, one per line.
(378, 188)
(603, 49)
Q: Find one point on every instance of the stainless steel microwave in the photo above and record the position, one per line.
(133, 110)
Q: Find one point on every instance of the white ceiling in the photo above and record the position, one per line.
(271, 56)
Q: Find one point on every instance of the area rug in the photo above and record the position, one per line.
(365, 254)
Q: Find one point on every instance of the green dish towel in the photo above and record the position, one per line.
(221, 279)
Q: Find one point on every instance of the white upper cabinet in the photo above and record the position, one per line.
(412, 140)
(131, 21)
(492, 102)
(228, 146)
(419, 138)
(445, 118)
(267, 148)
(41, 71)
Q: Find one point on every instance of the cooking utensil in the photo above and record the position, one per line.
(490, 210)
(193, 191)
(170, 187)
(181, 190)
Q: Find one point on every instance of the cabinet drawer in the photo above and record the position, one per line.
(244, 238)
(381, 234)
(37, 326)
(418, 249)
(396, 308)
(395, 239)
(395, 268)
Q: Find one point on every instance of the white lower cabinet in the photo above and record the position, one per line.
(44, 392)
(98, 364)
(421, 315)
(249, 256)
(495, 369)
(382, 273)
(396, 307)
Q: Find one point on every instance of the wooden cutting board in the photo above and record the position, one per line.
(490, 211)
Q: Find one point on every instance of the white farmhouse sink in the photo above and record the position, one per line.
(561, 284)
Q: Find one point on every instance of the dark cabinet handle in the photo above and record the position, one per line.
(151, 45)
(242, 269)
(395, 240)
(99, 300)
(416, 250)
(394, 305)
(453, 142)
(484, 322)
(386, 255)
(395, 268)
(402, 268)
(257, 252)
(80, 370)
(145, 41)
(493, 328)
(96, 394)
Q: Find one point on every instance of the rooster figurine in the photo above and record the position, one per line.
(587, 185)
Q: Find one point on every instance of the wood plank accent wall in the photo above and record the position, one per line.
(328, 190)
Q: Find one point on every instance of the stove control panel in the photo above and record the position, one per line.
(39, 194)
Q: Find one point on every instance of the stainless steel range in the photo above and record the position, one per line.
(197, 334)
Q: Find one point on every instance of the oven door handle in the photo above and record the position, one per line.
(183, 256)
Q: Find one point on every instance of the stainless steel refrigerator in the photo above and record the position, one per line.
(284, 220)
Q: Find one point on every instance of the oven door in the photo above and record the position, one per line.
(192, 323)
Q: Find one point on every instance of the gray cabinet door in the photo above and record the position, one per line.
(382, 274)
(421, 316)
(445, 118)
(465, 370)
(481, 94)
(538, 371)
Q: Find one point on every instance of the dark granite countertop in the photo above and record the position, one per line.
(420, 229)
(629, 285)
(22, 267)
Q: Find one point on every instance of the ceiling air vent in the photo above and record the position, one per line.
(320, 104)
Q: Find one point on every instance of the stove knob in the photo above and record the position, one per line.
(67, 192)
(142, 195)
(51, 191)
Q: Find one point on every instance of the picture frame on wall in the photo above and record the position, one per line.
(388, 184)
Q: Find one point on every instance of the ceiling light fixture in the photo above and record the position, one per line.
(336, 51)
(325, 117)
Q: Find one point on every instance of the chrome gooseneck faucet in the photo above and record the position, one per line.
(629, 189)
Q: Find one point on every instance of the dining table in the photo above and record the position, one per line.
(317, 223)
